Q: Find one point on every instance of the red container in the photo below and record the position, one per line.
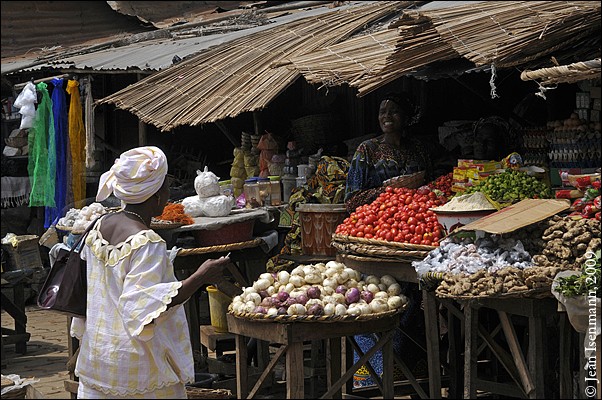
(231, 233)
(318, 223)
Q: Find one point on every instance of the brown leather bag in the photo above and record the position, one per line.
(65, 288)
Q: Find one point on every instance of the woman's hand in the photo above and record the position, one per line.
(211, 271)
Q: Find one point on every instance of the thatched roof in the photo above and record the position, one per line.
(504, 34)
(241, 75)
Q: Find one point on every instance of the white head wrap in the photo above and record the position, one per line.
(135, 176)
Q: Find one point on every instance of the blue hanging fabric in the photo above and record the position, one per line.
(61, 134)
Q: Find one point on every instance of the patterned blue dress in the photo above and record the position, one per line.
(372, 164)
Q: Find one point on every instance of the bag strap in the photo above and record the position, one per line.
(83, 236)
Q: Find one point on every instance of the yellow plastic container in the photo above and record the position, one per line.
(218, 308)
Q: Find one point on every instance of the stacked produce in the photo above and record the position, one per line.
(584, 282)
(588, 204)
(330, 289)
(398, 215)
(494, 265)
(173, 213)
(79, 219)
(443, 184)
(512, 186)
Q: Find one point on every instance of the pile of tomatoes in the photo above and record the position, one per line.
(443, 183)
(397, 215)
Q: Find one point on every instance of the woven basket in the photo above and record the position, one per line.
(157, 224)
(539, 293)
(202, 393)
(314, 318)
(411, 181)
(380, 248)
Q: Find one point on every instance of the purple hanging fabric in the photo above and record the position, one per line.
(59, 111)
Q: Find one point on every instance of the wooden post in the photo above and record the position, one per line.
(432, 343)
(470, 350)
(257, 123)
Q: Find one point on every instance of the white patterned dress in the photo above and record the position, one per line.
(131, 345)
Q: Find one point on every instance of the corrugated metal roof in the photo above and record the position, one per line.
(30, 43)
(158, 54)
(30, 26)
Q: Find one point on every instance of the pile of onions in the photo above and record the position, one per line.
(320, 289)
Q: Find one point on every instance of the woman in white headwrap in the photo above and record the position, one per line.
(134, 341)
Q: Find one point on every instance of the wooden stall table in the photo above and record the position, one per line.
(404, 272)
(527, 372)
(16, 309)
(291, 335)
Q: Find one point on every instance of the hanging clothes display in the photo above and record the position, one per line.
(77, 143)
(42, 153)
(59, 113)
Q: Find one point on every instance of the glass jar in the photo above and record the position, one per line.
(226, 188)
(265, 190)
(276, 190)
(251, 191)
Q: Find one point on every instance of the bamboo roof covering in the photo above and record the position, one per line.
(242, 75)
(501, 33)
(571, 73)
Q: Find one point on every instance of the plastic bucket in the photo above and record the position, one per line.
(218, 308)
(318, 223)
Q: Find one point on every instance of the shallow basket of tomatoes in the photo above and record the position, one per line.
(379, 248)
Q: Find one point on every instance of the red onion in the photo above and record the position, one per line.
(302, 299)
(367, 295)
(282, 296)
(259, 310)
(314, 292)
(264, 294)
(341, 289)
(352, 295)
(316, 309)
(270, 302)
(282, 311)
(289, 302)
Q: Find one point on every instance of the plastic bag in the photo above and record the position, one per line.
(25, 103)
(206, 184)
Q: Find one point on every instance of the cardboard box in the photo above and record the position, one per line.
(480, 165)
(519, 215)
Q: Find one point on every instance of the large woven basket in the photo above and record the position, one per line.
(380, 248)
(314, 318)
(411, 181)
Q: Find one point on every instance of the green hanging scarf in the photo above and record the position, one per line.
(42, 153)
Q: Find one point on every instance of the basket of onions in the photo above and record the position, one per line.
(322, 292)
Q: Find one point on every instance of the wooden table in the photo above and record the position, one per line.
(291, 336)
(527, 372)
(403, 271)
(16, 309)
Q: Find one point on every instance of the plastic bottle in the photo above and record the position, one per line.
(288, 183)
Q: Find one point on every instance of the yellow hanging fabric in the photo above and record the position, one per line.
(77, 142)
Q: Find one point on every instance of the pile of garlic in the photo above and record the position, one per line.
(79, 219)
(320, 289)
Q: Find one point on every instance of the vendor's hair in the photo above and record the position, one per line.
(403, 100)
